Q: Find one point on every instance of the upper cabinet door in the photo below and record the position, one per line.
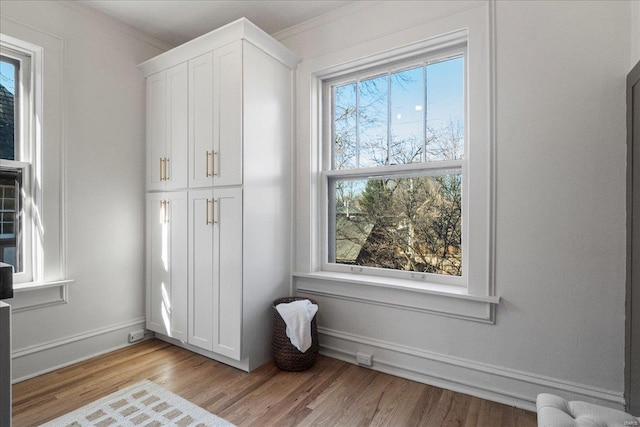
(201, 121)
(177, 127)
(215, 117)
(227, 113)
(156, 129)
(167, 129)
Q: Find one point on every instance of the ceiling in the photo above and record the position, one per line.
(178, 21)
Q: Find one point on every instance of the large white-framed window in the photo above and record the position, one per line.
(395, 169)
(18, 139)
(455, 275)
(37, 168)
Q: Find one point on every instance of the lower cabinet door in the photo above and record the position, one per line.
(215, 270)
(167, 264)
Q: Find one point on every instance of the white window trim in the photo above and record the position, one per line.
(477, 300)
(53, 277)
(29, 161)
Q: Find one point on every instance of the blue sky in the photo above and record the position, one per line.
(6, 76)
(444, 97)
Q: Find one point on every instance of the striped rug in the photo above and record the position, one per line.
(143, 404)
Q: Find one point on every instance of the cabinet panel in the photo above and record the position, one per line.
(215, 118)
(215, 267)
(201, 270)
(228, 260)
(167, 129)
(201, 121)
(156, 128)
(227, 142)
(178, 127)
(167, 264)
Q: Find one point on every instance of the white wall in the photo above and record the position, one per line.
(560, 238)
(102, 106)
(635, 32)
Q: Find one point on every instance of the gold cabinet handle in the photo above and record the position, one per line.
(211, 219)
(211, 154)
(164, 169)
(164, 211)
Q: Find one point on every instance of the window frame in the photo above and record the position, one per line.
(432, 55)
(49, 285)
(26, 160)
(478, 301)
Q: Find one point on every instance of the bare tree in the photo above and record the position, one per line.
(411, 223)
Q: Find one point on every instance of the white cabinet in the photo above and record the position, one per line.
(166, 302)
(167, 128)
(231, 214)
(215, 117)
(215, 270)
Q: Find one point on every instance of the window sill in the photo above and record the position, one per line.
(35, 295)
(445, 300)
(30, 286)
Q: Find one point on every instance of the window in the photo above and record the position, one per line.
(33, 227)
(16, 141)
(395, 170)
(417, 188)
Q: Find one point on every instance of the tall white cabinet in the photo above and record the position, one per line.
(218, 226)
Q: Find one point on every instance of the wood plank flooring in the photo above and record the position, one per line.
(332, 393)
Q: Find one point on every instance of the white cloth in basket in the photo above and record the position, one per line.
(297, 315)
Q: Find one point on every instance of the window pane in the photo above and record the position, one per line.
(7, 224)
(9, 200)
(344, 111)
(10, 183)
(411, 224)
(445, 110)
(372, 121)
(407, 116)
(8, 77)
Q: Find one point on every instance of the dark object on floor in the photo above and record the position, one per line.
(288, 357)
(6, 281)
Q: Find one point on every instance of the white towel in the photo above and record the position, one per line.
(297, 315)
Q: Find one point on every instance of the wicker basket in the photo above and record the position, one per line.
(288, 357)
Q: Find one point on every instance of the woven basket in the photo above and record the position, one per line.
(288, 357)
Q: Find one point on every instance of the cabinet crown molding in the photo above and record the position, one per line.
(239, 29)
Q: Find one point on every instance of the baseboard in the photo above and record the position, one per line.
(498, 384)
(46, 357)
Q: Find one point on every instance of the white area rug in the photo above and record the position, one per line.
(143, 404)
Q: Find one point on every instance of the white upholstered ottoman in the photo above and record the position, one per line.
(554, 411)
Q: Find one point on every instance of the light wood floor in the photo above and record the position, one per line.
(332, 393)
